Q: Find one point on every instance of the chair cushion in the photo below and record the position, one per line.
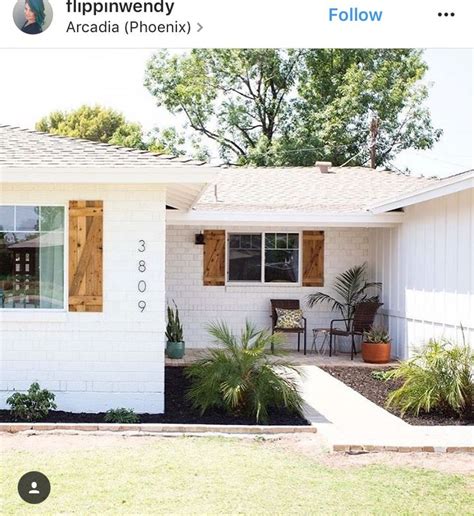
(289, 319)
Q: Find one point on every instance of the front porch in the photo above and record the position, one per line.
(311, 359)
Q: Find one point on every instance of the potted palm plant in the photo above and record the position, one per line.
(174, 334)
(376, 346)
(351, 288)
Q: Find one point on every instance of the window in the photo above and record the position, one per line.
(267, 257)
(281, 257)
(245, 257)
(32, 257)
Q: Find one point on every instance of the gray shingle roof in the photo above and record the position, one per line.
(21, 148)
(344, 190)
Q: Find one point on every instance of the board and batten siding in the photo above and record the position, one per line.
(426, 266)
(97, 360)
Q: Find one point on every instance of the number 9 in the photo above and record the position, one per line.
(142, 305)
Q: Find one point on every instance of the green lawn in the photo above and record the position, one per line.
(218, 475)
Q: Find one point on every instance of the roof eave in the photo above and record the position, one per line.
(108, 175)
(282, 219)
(444, 187)
(183, 186)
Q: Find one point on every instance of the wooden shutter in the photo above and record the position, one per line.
(214, 257)
(313, 258)
(85, 256)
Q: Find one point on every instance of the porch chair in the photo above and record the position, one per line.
(288, 304)
(363, 320)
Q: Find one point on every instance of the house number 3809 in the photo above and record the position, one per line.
(141, 286)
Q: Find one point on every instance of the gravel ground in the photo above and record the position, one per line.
(361, 380)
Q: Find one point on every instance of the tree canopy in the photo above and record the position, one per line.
(94, 123)
(293, 107)
(100, 124)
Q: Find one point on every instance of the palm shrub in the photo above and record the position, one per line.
(242, 376)
(351, 289)
(439, 376)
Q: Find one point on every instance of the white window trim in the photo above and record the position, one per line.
(65, 308)
(262, 283)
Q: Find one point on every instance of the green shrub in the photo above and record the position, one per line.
(376, 335)
(32, 405)
(438, 377)
(242, 376)
(121, 415)
(382, 375)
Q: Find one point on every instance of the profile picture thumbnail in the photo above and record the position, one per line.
(32, 16)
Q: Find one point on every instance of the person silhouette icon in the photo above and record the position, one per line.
(33, 489)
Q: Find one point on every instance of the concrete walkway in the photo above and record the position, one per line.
(349, 421)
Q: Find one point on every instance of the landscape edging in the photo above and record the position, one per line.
(158, 428)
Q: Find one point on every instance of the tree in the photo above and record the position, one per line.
(168, 140)
(105, 125)
(238, 98)
(94, 123)
(362, 105)
(292, 107)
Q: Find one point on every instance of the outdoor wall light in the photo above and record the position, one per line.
(199, 239)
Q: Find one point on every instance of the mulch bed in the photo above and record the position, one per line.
(361, 380)
(177, 410)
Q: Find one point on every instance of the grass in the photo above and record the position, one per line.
(217, 475)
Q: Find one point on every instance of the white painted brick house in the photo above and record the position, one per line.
(94, 239)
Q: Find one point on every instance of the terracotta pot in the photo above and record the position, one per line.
(376, 352)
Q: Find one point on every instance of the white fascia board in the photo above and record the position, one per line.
(269, 219)
(103, 175)
(445, 187)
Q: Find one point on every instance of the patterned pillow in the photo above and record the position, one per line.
(288, 319)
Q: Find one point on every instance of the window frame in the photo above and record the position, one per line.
(262, 282)
(64, 309)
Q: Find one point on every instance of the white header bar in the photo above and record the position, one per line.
(243, 23)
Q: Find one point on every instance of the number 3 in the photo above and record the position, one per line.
(142, 247)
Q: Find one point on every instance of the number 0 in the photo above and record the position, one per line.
(141, 286)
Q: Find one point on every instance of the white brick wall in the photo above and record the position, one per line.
(97, 361)
(199, 305)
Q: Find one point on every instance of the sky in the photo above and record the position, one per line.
(34, 83)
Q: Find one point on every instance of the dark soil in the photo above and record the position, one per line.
(177, 410)
(361, 380)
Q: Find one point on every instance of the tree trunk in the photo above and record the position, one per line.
(374, 132)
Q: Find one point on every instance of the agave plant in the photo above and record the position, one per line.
(377, 334)
(351, 288)
(242, 376)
